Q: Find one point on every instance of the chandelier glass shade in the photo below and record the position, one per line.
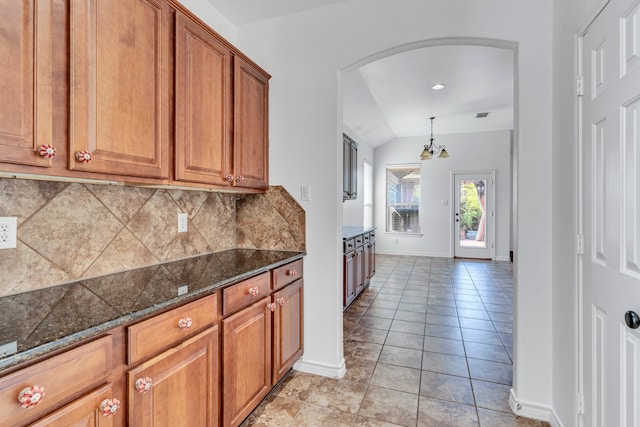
(432, 149)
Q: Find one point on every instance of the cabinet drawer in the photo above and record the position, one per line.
(152, 335)
(359, 240)
(372, 236)
(61, 377)
(286, 274)
(365, 236)
(245, 293)
(349, 245)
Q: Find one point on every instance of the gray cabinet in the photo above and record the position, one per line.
(349, 168)
(358, 265)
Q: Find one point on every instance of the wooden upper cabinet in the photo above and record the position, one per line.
(203, 105)
(26, 80)
(119, 86)
(251, 126)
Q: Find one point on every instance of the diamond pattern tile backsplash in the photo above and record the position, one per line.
(70, 231)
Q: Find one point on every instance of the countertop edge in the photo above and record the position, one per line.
(349, 232)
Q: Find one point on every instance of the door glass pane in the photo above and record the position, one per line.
(472, 213)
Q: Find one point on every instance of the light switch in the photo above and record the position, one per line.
(305, 192)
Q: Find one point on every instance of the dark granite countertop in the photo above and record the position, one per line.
(352, 231)
(48, 319)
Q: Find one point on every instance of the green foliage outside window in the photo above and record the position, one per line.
(470, 209)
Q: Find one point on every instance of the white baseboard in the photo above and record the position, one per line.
(405, 253)
(323, 369)
(502, 258)
(533, 410)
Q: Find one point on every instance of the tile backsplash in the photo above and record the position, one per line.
(70, 231)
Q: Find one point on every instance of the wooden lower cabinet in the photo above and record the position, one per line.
(83, 412)
(358, 270)
(246, 358)
(349, 278)
(287, 328)
(184, 385)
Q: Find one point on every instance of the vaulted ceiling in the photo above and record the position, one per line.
(392, 97)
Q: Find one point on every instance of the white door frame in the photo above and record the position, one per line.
(491, 207)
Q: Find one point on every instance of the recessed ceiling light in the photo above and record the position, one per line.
(438, 86)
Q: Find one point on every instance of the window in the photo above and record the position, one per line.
(368, 195)
(403, 199)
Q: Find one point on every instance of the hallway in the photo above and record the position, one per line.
(429, 343)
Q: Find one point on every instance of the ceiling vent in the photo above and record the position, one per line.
(481, 115)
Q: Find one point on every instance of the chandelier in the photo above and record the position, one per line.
(433, 150)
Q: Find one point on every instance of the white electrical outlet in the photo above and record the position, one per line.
(182, 223)
(8, 232)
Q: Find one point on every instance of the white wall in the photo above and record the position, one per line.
(470, 152)
(305, 53)
(212, 17)
(353, 210)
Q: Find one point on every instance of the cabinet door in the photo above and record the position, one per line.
(349, 278)
(346, 168)
(287, 328)
(184, 385)
(372, 260)
(83, 412)
(353, 166)
(26, 80)
(358, 270)
(366, 263)
(203, 105)
(119, 97)
(251, 126)
(246, 361)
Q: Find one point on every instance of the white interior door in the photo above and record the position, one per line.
(610, 172)
(473, 215)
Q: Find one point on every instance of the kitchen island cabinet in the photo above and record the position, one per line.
(358, 261)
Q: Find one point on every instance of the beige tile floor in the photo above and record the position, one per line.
(427, 344)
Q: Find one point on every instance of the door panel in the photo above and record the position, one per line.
(609, 205)
(473, 225)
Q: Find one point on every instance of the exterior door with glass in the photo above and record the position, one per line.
(473, 215)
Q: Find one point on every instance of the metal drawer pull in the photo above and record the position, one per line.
(31, 396)
(143, 385)
(254, 291)
(185, 323)
(109, 407)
